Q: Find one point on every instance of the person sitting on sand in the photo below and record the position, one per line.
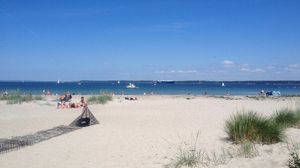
(82, 102)
(63, 104)
(66, 97)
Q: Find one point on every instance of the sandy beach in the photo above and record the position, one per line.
(135, 134)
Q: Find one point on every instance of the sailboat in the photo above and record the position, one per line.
(58, 81)
(223, 84)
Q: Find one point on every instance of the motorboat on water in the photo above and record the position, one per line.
(131, 86)
(166, 81)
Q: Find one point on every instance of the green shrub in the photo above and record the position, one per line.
(37, 98)
(251, 127)
(247, 150)
(17, 98)
(286, 118)
(102, 99)
(189, 158)
(188, 154)
(14, 98)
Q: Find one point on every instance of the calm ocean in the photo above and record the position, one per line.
(169, 88)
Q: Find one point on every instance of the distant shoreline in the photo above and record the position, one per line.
(218, 88)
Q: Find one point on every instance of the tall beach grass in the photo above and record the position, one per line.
(251, 127)
(101, 99)
(18, 98)
(287, 117)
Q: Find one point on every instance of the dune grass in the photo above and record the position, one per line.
(188, 153)
(287, 118)
(247, 150)
(18, 98)
(294, 159)
(188, 158)
(251, 127)
(102, 99)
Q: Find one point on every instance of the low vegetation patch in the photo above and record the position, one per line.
(188, 158)
(294, 160)
(251, 127)
(247, 150)
(189, 154)
(287, 118)
(18, 98)
(102, 99)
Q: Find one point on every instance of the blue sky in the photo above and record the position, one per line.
(150, 40)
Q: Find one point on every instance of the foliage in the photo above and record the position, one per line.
(251, 127)
(188, 154)
(102, 99)
(286, 118)
(294, 162)
(247, 150)
(17, 98)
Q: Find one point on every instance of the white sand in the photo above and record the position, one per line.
(135, 134)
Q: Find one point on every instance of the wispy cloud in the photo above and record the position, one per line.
(256, 70)
(228, 63)
(245, 69)
(293, 67)
(270, 67)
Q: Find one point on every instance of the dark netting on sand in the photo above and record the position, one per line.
(21, 141)
(85, 119)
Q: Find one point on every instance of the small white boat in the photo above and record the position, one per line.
(118, 82)
(223, 84)
(58, 82)
(131, 86)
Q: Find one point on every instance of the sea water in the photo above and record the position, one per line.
(153, 87)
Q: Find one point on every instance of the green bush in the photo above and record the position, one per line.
(189, 158)
(251, 127)
(37, 98)
(102, 99)
(14, 98)
(188, 154)
(17, 98)
(286, 118)
(247, 150)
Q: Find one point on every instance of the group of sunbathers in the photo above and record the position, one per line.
(65, 102)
